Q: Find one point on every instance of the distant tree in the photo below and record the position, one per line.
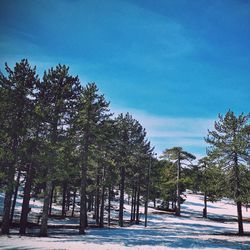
(155, 177)
(178, 155)
(229, 142)
(167, 183)
(211, 181)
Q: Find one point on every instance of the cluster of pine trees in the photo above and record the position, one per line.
(223, 172)
(57, 133)
(60, 138)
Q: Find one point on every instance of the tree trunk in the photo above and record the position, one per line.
(83, 191)
(173, 205)
(205, 206)
(97, 199)
(54, 193)
(138, 205)
(101, 223)
(9, 190)
(132, 205)
(68, 199)
(83, 208)
(44, 222)
(240, 220)
(102, 200)
(74, 203)
(122, 183)
(147, 195)
(178, 204)
(90, 203)
(237, 195)
(26, 200)
(51, 199)
(7, 201)
(15, 196)
(109, 205)
(64, 191)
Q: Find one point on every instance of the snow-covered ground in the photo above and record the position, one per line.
(164, 231)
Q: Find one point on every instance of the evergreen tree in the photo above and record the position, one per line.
(211, 181)
(59, 93)
(16, 110)
(92, 111)
(230, 145)
(177, 155)
(130, 145)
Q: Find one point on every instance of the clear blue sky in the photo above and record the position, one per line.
(174, 64)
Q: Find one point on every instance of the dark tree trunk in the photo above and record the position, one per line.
(83, 191)
(68, 199)
(101, 223)
(90, 203)
(51, 199)
(205, 205)
(54, 194)
(7, 201)
(26, 200)
(9, 190)
(237, 195)
(132, 205)
(178, 203)
(122, 183)
(240, 220)
(74, 202)
(44, 222)
(64, 191)
(83, 207)
(97, 199)
(15, 196)
(138, 205)
(173, 205)
(109, 205)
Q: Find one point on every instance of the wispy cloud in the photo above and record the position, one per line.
(167, 132)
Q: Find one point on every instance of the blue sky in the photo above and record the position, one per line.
(174, 65)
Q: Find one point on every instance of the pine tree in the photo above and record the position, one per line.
(92, 111)
(211, 181)
(130, 145)
(16, 110)
(230, 145)
(59, 93)
(177, 155)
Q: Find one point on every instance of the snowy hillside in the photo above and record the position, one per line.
(164, 231)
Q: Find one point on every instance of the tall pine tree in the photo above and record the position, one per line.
(229, 142)
(59, 93)
(16, 111)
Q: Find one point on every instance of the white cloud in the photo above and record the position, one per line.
(166, 132)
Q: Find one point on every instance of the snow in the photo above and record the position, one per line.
(164, 231)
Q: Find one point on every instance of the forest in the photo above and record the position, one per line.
(60, 142)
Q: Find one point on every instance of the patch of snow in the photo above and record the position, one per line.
(164, 231)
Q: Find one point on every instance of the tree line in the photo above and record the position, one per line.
(61, 138)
